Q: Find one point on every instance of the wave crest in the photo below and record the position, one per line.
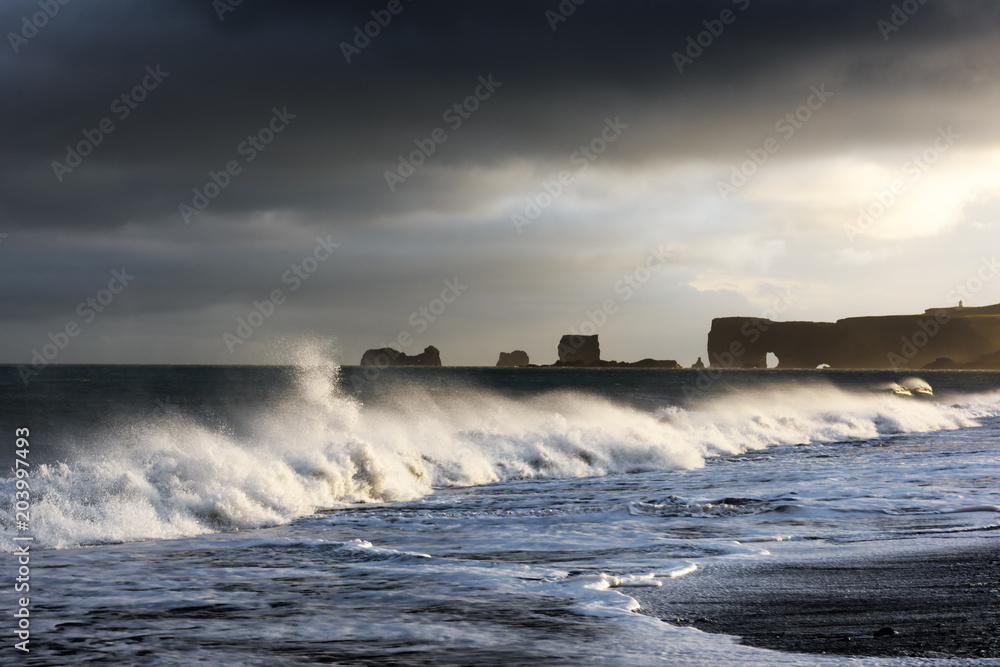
(172, 477)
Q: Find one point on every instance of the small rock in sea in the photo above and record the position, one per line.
(884, 632)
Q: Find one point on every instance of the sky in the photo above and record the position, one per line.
(220, 182)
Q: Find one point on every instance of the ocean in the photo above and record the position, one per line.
(316, 514)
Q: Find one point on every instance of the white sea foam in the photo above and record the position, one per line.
(173, 477)
(603, 581)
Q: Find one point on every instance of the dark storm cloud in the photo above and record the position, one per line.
(352, 120)
(220, 80)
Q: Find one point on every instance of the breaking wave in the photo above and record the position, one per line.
(171, 476)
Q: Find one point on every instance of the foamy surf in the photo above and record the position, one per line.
(171, 476)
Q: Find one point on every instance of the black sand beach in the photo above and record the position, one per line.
(940, 604)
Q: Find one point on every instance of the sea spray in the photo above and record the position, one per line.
(171, 475)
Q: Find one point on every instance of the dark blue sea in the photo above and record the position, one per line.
(315, 514)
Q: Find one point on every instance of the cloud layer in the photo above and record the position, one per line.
(725, 160)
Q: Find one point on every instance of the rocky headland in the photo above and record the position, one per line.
(942, 338)
(939, 339)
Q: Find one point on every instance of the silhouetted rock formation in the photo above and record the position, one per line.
(989, 362)
(605, 363)
(941, 364)
(986, 362)
(575, 350)
(515, 358)
(386, 356)
(698, 364)
(966, 337)
(649, 363)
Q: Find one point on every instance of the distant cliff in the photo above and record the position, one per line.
(512, 359)
(940, 338)
(386, 356)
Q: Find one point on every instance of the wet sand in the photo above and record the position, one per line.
(940, 604)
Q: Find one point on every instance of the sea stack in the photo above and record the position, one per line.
(513, 359)
(387, 356)
(576, 350)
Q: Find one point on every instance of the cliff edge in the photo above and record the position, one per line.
(964, 337)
